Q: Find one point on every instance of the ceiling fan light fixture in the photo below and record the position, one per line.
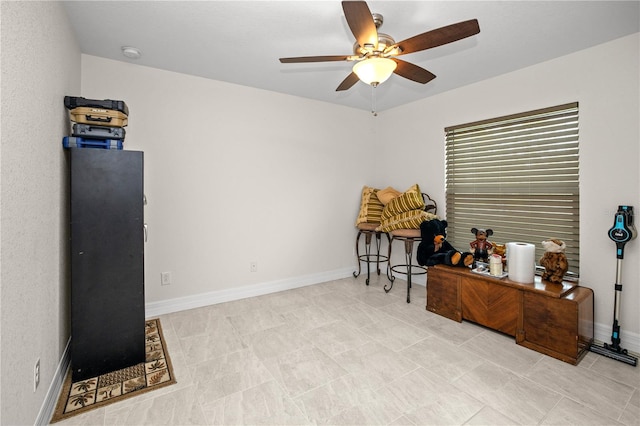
(374, 71)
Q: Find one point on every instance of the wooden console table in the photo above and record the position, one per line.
(554, 319)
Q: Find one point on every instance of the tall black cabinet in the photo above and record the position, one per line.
(107, 261)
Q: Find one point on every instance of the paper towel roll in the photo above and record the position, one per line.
(521, 261)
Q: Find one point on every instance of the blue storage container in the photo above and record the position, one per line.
(75, 142)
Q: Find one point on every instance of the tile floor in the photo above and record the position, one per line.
(342, 353)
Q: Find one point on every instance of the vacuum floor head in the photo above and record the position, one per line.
(622, 356)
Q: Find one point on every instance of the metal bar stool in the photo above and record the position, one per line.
(409, 237)
(369, 231)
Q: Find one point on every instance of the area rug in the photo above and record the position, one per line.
(156, 372)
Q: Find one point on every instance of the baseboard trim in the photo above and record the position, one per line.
(51, 399)
(154, 309)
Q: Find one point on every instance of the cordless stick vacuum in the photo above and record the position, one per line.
(622, 232)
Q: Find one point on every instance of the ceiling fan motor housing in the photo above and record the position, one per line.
(384, 41)
(377, 19)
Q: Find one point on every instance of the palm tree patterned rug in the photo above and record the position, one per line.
(156, 372)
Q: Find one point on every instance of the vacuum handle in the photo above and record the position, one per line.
(623, 230)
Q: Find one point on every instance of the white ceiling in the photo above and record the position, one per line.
(240, 41)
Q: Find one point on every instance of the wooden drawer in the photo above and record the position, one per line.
(443, 293)
(559, 327)
(490, 304)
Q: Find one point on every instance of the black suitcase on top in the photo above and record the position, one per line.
(89, 131)
(72, 102)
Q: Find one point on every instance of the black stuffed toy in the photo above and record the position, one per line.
(434, 249)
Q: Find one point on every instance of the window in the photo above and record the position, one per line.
(517, 175)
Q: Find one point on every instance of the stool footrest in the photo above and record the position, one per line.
(421, 270)
(369, 257)
(407, 268)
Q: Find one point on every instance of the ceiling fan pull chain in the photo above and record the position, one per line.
(373, 101)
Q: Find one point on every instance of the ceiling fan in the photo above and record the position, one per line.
(375, 53)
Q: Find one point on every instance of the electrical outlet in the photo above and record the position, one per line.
(165, 278)
(36, 374)
(253, 266)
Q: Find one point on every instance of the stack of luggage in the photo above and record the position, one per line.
(96, 123)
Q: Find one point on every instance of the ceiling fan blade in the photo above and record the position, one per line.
(440, 36)
(314, 59)
(348, 82)
(361, 22)
(412, 72)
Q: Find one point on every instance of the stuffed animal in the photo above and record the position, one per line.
(480, 246)
(554, 260)
(501, 250)
(434, 249)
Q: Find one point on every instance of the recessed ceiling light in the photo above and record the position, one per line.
(131, 52)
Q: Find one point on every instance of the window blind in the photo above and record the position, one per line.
(517, 175)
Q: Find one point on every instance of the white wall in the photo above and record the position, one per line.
(604, 80)
(234, 175)
(40, 64)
